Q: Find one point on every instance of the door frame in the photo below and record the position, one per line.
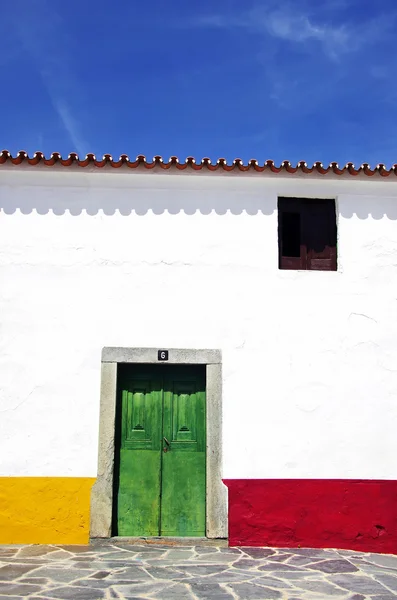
(216, 491)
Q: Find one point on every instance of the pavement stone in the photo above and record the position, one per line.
(274, 583)
(204, 550)
(390, 581)
(179, 591)
(333, 566)
(33, 551)
(144, 571)
(18, 589)
(76, 593)
(383, 560)
(321, 587)
(210, 591)
(12, 572)
(356, 583)
(254, 592)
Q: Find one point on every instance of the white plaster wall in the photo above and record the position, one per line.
(103, 259)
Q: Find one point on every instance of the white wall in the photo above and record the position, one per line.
(169, 260)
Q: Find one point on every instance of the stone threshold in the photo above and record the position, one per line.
(162, 541)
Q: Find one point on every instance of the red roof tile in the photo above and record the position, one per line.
(190, 163)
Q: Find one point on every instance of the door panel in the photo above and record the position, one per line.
(139, 493)
(183, 472)
(183, 499)
(140, 455)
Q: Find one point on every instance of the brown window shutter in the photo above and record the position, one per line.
(319, 234)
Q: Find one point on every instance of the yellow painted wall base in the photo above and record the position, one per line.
(45, 510)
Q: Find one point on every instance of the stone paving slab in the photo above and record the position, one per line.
(144, 571)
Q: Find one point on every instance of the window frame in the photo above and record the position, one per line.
(309, 259)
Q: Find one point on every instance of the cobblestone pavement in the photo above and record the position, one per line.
(140, 570)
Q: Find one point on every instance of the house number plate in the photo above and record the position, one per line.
(162, 355)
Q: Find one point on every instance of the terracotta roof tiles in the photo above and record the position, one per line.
(205, 164)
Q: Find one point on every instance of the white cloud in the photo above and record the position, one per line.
(299, 28)
(297, 25)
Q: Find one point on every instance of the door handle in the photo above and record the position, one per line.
(166, 441)
(168, 446)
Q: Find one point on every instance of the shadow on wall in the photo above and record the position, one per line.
(174, 201)
(365, 207)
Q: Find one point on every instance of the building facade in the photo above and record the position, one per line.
(198, 350)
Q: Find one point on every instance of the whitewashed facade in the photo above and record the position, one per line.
(93, 258)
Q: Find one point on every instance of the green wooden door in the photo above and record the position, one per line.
(160, 479)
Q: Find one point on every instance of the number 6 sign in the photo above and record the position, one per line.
(162, 355)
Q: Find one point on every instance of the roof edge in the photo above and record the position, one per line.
(190, 163)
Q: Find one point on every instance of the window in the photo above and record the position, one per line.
(307, 234)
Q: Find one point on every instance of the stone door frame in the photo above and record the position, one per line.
(216, 491)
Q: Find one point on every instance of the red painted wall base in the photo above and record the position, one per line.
(313, 513)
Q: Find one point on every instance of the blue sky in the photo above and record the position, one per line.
(295, 80)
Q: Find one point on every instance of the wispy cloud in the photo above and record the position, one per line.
(299, 28)
(70, 123)
(40, 30)
(294, 24)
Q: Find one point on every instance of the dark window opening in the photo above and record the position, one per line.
(291, 234)
(307, 234)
